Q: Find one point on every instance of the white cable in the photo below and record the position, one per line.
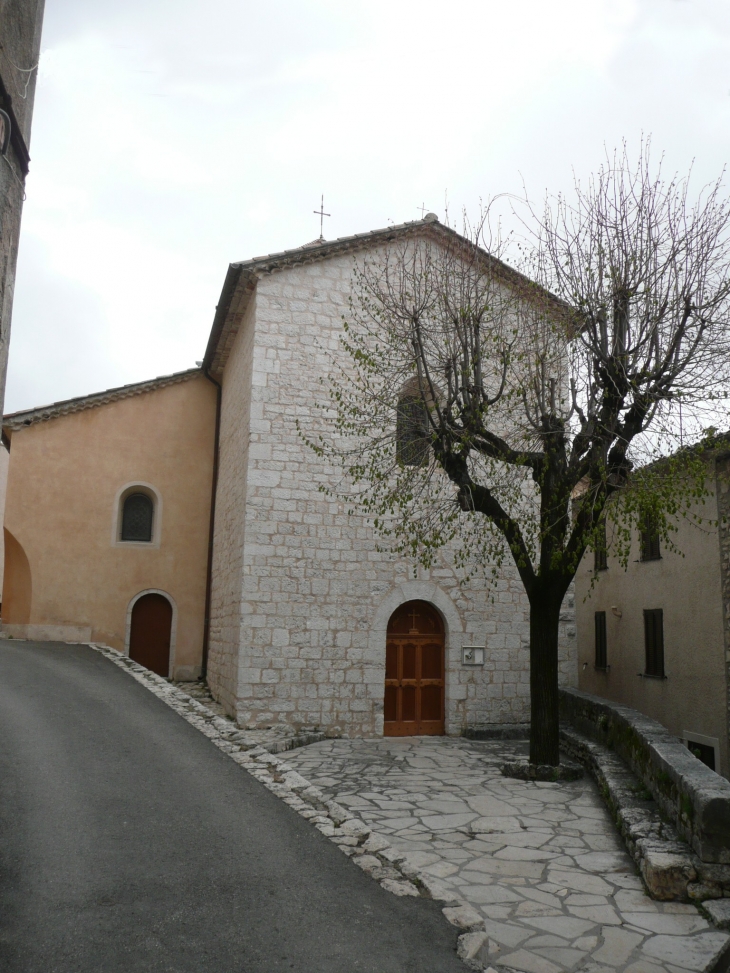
(15, 174)
(28, 71)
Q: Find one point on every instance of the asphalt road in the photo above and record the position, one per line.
(128, 842)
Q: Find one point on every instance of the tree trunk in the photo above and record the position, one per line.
(544, 727)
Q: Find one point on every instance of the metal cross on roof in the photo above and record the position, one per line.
(321, 214)
(423, 208)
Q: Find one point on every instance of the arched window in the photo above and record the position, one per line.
(412, 430)
(137, 513)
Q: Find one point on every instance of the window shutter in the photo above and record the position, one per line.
(601, 645)
(600, 562)
(654, 642)
(650, 550)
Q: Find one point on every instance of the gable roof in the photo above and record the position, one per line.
(19, 420)
(242, 277)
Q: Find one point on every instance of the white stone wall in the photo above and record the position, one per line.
(316, 595)
(238, 416)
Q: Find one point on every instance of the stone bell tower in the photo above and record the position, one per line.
(20, 41)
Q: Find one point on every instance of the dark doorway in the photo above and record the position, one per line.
(149, 637)
(414, 671)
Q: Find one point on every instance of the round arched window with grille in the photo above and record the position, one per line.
(137, 517)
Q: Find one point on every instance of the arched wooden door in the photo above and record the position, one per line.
(414, 671)
(149, 636)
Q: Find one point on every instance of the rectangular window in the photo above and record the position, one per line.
(600, 562)
(650, 550)
(654, 642)
(601, 651)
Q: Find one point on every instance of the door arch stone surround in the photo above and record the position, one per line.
(173, 626)
(453, 631)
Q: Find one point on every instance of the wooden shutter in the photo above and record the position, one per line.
(654, 642)
(650, 550)
(601, 647)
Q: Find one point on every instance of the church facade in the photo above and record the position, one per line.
(308, 622)
(301, 597)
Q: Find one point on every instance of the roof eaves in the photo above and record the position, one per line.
(20, 420)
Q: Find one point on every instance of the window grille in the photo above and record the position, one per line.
(654, 642)
(601, 645)
(137, 518)
(412, 438)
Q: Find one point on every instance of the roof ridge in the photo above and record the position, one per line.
(428, 220)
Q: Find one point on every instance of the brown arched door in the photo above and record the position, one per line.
(149, 636)
(414, 671)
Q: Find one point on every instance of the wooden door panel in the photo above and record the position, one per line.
(408, 661)
(390, 708)
(432, 660)
(391, 661)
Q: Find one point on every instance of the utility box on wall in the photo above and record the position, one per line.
(472, 655)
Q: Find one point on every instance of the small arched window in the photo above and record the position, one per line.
(137, 513)
(412, 431)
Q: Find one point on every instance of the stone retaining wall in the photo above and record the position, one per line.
(690, 795)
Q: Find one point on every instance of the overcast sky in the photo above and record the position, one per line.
(172, 137)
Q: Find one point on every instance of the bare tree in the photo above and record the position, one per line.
(498, 411)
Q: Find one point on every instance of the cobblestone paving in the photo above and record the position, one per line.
(542, 862)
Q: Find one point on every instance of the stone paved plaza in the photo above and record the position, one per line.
(542, 862)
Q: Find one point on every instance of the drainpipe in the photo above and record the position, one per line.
(211, 529)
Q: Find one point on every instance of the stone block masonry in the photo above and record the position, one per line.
(299, 637)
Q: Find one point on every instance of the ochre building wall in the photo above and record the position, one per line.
(315, 595)
(66, 575)
(687, 588)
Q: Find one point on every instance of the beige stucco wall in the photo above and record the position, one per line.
(693, 697)
(65, 478)
(314, 593)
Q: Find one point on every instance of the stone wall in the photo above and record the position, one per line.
(694, 798)
(316, 592)
(722, 494)
(238, 418)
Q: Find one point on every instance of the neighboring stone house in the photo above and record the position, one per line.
(107, 520)
(309, 623)
(20, 41)
(656, 636)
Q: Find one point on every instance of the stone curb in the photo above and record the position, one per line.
(668, 866)
(373, 853)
